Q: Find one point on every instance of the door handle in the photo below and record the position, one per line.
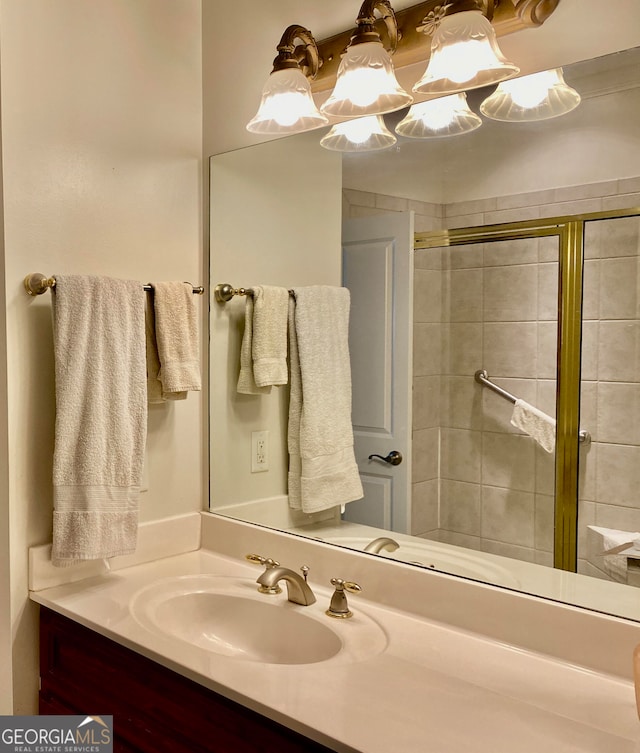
(393, 458)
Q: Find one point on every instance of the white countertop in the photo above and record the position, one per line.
(433, 688)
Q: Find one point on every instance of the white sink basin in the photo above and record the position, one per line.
(443, 557)
(229, 617)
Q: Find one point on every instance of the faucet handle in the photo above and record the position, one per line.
(339, 607)
(269, 564)
(347, 585)
(258, 559)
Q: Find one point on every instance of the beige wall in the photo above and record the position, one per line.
(265, 202)
(6, 669)
(102, 143)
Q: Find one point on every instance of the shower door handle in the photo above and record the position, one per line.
(393, 458)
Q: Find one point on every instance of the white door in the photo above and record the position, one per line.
(377, 267)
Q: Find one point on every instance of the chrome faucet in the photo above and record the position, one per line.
(384, 542)
(298, 590)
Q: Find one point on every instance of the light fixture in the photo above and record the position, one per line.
(539, 96)
(359, 135)
(444, 116)
(287, 105)
(464, 51)
(366, 82)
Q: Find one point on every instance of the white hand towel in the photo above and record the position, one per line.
(155, 393)
(101, 416)
(269, 347)
(177, 336)
(535, 423)
(246, 382)
(324, 434)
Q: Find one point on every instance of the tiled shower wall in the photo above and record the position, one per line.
(477, 482)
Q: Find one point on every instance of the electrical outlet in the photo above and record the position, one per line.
(259, 451)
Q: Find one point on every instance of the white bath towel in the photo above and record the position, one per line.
(177, 336)
(155, 393)
(246, 381)
(101, 413)
(323, 472)
(535, 423)
(269, 346)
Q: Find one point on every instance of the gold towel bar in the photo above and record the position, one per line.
(37, 284)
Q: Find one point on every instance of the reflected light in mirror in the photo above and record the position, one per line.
(366, 84)
(360, 135)
(286, 105)
(445, 116)
(464, 55)
(539, 96)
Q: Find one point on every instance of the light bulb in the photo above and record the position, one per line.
(539, 96)
(287, 105)
(359, 135)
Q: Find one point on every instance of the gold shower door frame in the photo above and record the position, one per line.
(570, 233)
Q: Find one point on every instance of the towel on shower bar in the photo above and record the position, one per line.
(322, 468)
(535, 423)
(246, 382)
(177, 336)
(269, 346)
(155, 393)
(101, 416)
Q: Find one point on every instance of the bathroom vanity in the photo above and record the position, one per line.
(460, 663)
(154, 708)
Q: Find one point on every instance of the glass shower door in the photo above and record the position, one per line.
(498, 312)
(609, 478)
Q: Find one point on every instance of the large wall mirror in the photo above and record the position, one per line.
(455, 267)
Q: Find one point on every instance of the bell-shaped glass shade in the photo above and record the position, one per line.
(445, 116)
(360, 135)
(287, 105)
(366, 84)
(539, 96)
(464, 55)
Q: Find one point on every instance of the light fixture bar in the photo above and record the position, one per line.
(506, 17)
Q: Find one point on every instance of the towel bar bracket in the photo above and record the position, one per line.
(223, 292)
(37, 284)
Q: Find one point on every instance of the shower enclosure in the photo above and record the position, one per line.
(550, 309)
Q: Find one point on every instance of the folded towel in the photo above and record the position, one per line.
(155, 393)
(617, 546)
(269, 347)
(321, 441)
(177, 336)
(246, 382)
(101, 416)
(535, 423)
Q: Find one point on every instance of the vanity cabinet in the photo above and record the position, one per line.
(154, 709)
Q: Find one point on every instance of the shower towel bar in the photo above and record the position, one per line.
(224, 292)
(482, 377)
(37, 284)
